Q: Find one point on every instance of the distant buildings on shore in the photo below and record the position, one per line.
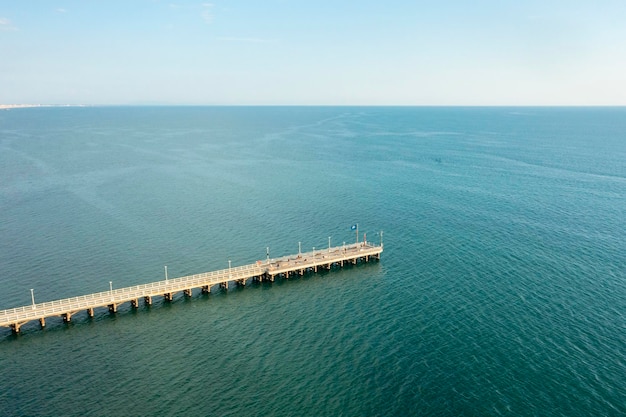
(23, 106)
(19, 106)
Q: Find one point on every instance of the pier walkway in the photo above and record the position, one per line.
(260, 271)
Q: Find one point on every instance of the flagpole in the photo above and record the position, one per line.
(357, 233)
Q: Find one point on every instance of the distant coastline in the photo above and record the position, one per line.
(25, 106)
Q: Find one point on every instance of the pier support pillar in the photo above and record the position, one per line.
(224, 285)
(148, 300)
(67, 317)
(15, 327)
(206, 289)
(168, 296)
(188, 292)
(134, 303)
(112, 308)
(241, 282)
(90, 312)
(42, 322)
(315, 268)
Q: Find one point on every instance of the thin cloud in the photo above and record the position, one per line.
(61, 10)
(249, 40)
(207, 12)
(6, 25)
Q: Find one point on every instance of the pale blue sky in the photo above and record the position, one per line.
(392, 52)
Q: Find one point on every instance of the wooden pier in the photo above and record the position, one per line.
(267, 270)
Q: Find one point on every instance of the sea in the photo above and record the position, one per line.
(501, 289)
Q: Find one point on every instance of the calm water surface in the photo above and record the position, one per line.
(501, 291)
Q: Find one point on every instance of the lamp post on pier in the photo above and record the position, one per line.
(166, 274)
(32, 296)
(328, 243)
(229, 271)
(111, 289)
(299, 248)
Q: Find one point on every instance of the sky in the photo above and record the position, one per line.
(282, 52)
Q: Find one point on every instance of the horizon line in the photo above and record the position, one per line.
(26, 105)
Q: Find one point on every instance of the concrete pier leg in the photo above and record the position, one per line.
(42, 321)
(342, 263)
(271, 278)
(134, 303)
(206, 289)
(148, 300)
(241, 282)
(315, 268)
(224, 285)
(67, 317)
(112, 308)
(168, 296)
(301, 272)
(15, 327)
(188, 292)
(90, 312)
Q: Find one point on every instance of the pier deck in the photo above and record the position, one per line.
(259, 271)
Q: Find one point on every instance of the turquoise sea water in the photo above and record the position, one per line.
(501, 291)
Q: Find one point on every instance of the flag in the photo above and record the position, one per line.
(353, 227)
